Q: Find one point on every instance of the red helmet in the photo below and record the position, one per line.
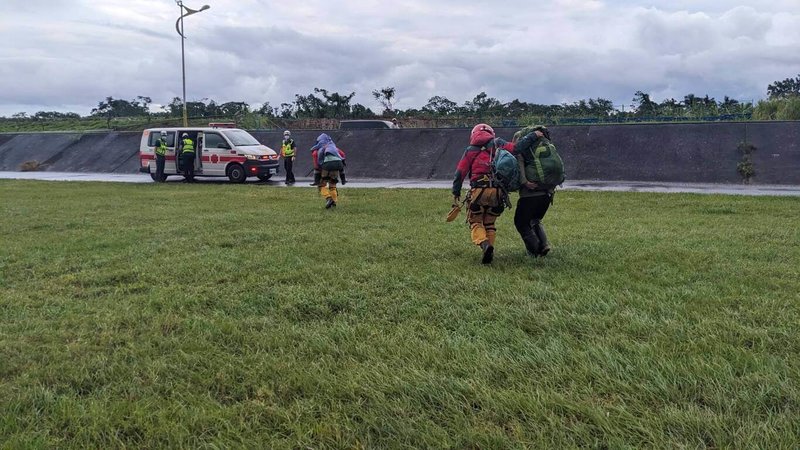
(482, 127)
(481, 134)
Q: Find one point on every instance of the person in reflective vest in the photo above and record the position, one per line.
(187, 157)
(288, 151)
(161, 156)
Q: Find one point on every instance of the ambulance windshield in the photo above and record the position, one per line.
(241, 138)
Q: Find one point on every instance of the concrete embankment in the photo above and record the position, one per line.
(694, 153)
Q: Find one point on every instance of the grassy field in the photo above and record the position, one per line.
(247, 316)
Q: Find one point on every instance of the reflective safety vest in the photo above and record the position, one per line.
(287, 148)
(161, 147)
(188, 146)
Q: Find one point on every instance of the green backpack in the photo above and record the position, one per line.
(543, 165)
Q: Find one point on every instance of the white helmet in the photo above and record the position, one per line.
(163, 133)
(287, 133)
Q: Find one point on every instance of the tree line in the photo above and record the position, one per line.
(324, 104)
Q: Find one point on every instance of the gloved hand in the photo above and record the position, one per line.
(456, 200)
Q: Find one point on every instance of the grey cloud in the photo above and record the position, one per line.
(74, 52)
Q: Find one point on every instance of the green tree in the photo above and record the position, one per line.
(267, 110)
(483, 105)
(385, 97)
(233, 109)
(645, 107)
(54, 115)
(332, 105)
(360, 111)
(309, 106)
(111, 107)
(286, 111)
(789, 87)
(440, 106)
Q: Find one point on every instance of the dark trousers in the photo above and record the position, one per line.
(160, 159)
(287, 165)
(530, 211)
(187, 164)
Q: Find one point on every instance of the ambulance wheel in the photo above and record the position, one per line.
(236, 173)
(264, 177)
(153, 176)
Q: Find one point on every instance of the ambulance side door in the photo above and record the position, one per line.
(170, 166)
(216, 151)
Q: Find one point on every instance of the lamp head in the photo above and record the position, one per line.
(194, 11)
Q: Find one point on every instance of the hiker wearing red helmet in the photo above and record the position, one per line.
(486, 201)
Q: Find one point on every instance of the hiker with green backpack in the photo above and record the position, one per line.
(540, 170)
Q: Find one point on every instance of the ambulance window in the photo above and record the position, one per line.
(156, 134)
(215, 140)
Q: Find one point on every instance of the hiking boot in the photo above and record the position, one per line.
(488, 252)
(532, 244)
(330, 203)
(544, 247)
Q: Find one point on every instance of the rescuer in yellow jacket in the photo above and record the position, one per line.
(161, 156)
(288, 152)
(187, 157)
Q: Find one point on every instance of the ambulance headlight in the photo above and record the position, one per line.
(251, 156)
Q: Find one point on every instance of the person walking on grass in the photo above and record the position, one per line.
(485, 201)
(187, 157)
(317, 169)
(288, 152)
(161, 156)
(331, 163)
(541, 170)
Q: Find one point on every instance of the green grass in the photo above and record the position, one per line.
(247, 316)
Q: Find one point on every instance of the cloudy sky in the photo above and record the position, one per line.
(67, 55)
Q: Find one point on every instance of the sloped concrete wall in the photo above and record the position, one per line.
(72, 152)
(651, 152)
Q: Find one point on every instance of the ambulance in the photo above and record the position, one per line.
(219, 152)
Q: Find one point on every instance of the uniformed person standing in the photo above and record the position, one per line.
(187, 157)
(288, 152)
(161, 156)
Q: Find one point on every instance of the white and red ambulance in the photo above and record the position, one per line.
(219, 152)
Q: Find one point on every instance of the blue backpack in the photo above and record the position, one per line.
(505, 170)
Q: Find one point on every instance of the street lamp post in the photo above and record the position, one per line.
(185, 11)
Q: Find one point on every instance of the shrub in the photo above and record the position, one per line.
(30, 166)
(778, 109)
(745, 168)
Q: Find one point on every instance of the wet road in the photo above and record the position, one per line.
(615, 186)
